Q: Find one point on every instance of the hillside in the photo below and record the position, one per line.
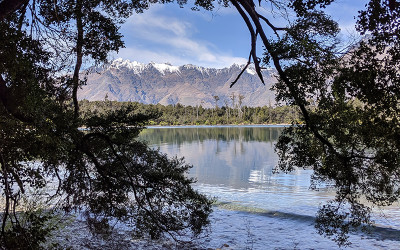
(123, 80)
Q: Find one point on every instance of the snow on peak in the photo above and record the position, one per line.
(199, 68)
(139, 67)
(135, 66)
(251, 71)
(163, 67)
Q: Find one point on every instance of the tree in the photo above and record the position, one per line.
(216, 99)
(350, 135)
(227, 111)
(102, 171)
(240, 97)
(233, 97)
(349, 132)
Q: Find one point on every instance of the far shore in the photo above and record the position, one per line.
(283, 125)
(220, 125)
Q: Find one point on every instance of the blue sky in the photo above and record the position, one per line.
(167, 33)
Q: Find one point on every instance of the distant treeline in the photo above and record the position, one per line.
(197, 115)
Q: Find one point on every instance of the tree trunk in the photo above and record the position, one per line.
(79, 55)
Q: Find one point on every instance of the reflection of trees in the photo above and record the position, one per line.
(220, 155)
(188, 135)
(233, 157)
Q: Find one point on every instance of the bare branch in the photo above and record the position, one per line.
(253, 39)
(256, 60)
(256, 20)
(241, 72)
(275, 29)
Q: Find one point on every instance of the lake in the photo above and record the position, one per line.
(257, 208)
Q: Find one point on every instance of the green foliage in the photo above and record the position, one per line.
(188, 115)
(99, 170)
(350, 105)
(302, 7)
(37, 222)
(337, 220)
(30, 232)
(349, 132)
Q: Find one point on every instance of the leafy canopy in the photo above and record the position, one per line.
(102, 170)
(349, 100)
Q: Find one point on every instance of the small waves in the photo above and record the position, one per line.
(373, 232)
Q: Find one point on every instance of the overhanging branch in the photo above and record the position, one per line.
(253, 34)
(248, 12)
(241, 72)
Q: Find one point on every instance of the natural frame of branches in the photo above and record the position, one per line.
(349, 101)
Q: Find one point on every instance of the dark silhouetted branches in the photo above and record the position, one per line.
(349, 104)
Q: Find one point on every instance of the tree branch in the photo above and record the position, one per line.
(133, 183)
(7, 194)
(299, 102)
(241, 72)
(275, 29)
(79, 56)
(9, 6)
(253, 35)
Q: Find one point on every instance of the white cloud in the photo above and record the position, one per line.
(150, 21)
(145, 56)
(162, 38)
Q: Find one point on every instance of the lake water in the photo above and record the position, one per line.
(259, 209)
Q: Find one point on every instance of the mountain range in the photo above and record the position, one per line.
(152, 83)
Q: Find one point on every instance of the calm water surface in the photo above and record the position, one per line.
(235, 164)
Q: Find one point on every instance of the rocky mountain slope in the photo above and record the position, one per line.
(154, 83)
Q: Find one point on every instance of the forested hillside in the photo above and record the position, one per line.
(197, 115)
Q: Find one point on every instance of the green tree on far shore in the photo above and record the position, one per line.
(188, 115)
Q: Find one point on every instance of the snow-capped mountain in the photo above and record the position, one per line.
(163, 83)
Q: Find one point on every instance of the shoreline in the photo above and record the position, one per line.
(283, 125)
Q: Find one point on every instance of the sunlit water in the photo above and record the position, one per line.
(259, 209)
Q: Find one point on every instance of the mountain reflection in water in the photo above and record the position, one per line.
(235, 164)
